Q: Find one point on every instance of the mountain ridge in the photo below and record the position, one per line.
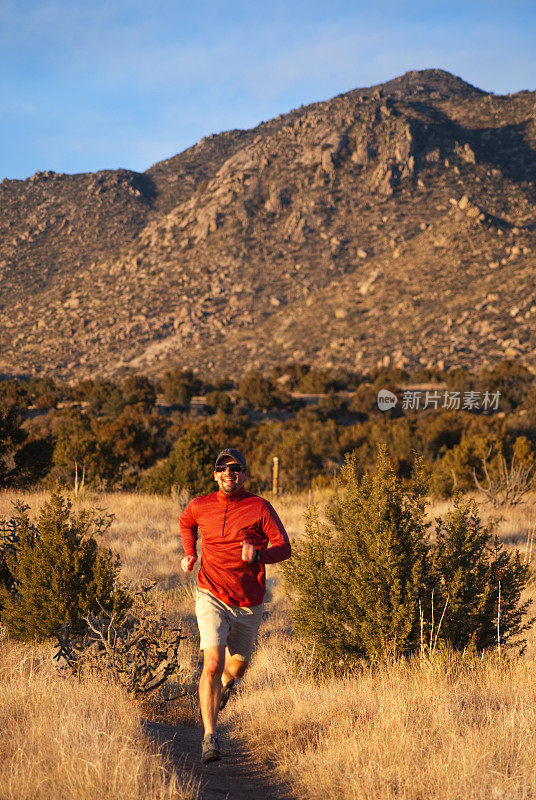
(326, 235)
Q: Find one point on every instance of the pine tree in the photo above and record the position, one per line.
(11, 438)
(54, 572)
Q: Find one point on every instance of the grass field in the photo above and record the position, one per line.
(61, 738)
(436, 727)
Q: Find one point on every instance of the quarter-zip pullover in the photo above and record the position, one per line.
(225, 522)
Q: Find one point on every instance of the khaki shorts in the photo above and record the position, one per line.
(221, 625)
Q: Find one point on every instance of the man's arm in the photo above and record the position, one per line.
(279, 548)
(188, 532)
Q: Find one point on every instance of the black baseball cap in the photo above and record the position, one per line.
(230, 452)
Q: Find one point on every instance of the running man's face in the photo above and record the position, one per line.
(230, 480)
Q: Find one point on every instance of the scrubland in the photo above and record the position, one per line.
(441, 726)
(60, 738)
(438, 726)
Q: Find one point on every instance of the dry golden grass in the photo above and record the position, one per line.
(145, 533)
(65, 740)
(438, 727)
(429, 729)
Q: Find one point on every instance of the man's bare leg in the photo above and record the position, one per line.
(210, 686)
(234, 667)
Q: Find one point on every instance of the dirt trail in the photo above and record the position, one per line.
(238, 776)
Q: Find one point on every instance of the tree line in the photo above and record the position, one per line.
(144, 434)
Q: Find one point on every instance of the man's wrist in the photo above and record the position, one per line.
(257, 558)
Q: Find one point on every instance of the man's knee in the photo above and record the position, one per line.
(235, 665)
(213, 664)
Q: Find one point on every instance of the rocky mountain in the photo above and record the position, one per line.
(389, 225)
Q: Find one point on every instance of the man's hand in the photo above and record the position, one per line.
(187, 563)
(248, 553)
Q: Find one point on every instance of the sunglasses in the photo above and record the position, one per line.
(230, 467)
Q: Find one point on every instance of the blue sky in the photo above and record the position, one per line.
(125, 83)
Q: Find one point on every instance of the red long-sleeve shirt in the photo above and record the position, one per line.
(225, 521)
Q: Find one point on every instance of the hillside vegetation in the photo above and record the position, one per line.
(162, 436)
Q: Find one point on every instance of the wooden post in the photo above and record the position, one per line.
(275, 475)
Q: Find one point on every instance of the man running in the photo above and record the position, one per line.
(240, 533)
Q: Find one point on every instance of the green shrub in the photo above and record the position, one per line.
(138, 390)
(44, 392)
(460, 380)
(364, 401)
(457, 469)
(190, 465)
(76, 446)
(13, 393)
(376, 557)
(399, 435)
(105, 398)
(454, 472)
(219, 401)
(129, 444)
(33, 462)
(258, 391)
(315, 381)
(371, 585)
(438, 432)
(388, 378)
(512, 379)
(53, 572)
(11, 438)
(311, 578)
(468, 563)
